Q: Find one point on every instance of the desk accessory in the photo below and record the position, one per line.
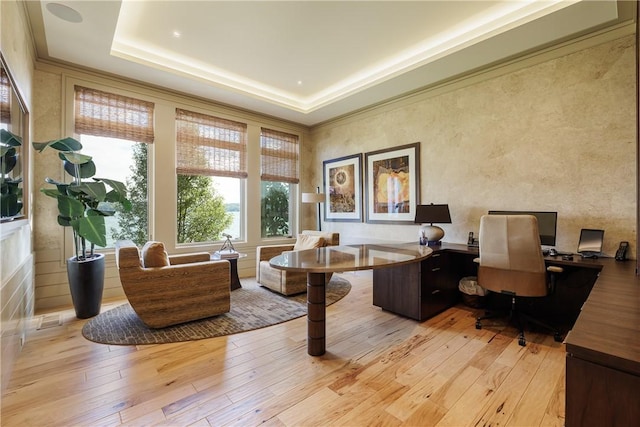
(621, 253)
(227, 251)
(431, 234)
(472, 242)
(590, 243)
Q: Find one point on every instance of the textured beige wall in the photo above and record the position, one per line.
(16, 266)
(557, 136)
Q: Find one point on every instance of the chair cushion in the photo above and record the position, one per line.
(154, 255)
(306, 241)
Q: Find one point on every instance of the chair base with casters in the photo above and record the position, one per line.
(520, 318)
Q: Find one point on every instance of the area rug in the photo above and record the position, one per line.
(252, 307)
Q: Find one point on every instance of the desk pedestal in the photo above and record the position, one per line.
(316, 314)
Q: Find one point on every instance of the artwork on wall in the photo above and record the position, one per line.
(343, 188)
(392, 188)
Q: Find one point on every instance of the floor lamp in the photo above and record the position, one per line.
(318, 198)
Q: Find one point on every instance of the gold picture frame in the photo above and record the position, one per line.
(392, 184)
(343, 188)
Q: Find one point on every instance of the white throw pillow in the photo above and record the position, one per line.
(154, 255)
(306, 241)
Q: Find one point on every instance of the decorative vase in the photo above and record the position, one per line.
(86, 283)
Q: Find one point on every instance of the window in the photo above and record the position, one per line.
(116, 131)
(211, 170)
(279, 175)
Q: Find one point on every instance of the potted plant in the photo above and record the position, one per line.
(83, 205)
(10, 191)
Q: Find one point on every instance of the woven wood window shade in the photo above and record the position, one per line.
(5, 97)
(106, 114)
(278, 156)
(210, 146)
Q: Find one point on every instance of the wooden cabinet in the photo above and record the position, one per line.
(439, 286)
(603, 352)
(417, 290)
(598, 395)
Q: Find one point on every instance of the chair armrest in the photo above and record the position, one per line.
(553, 270)
(265, 253)
(198, 272)
(189, 258)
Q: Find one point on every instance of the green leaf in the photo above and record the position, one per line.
(9, 138)
(75, 158)
(95, 190)
(64, 221)
(8, 160)
(105, 209)
(13, 181)
(70, 207)
(93, 229)
(117, 186)
(50, 192)
(64, 144)
(87, 170)
(4, 149)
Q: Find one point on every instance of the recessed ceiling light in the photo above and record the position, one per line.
(299, 82)
(64, 12)
(177, 34)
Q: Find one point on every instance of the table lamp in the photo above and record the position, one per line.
(431, 234)
(315, 198)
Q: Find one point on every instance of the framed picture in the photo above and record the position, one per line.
(392, 187)
(343, 188)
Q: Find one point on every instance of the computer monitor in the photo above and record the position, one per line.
(547, 222)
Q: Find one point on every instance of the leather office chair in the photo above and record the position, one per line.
(511, 263)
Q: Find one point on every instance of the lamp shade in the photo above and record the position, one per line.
(312, 197)
(438, 214)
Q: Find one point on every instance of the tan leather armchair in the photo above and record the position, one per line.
(511, 263)
(188, 287)
(287, 282)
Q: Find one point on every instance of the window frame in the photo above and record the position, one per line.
(161, 164)
(69, 84)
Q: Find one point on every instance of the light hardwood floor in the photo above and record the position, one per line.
(379, 369)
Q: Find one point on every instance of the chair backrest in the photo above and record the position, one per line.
(330, 238)
(511, 257)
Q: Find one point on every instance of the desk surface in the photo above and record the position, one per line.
(335, 259)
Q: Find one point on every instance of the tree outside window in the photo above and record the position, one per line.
(211, 167)
(279, 175)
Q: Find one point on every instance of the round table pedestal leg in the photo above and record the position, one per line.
(316, 314)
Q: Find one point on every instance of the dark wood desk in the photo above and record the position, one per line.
(334, 259)
(421, 290)
(603, 352)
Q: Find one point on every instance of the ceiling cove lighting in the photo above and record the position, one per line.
(504, 16)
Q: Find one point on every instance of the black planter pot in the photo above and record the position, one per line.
(86, 282)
